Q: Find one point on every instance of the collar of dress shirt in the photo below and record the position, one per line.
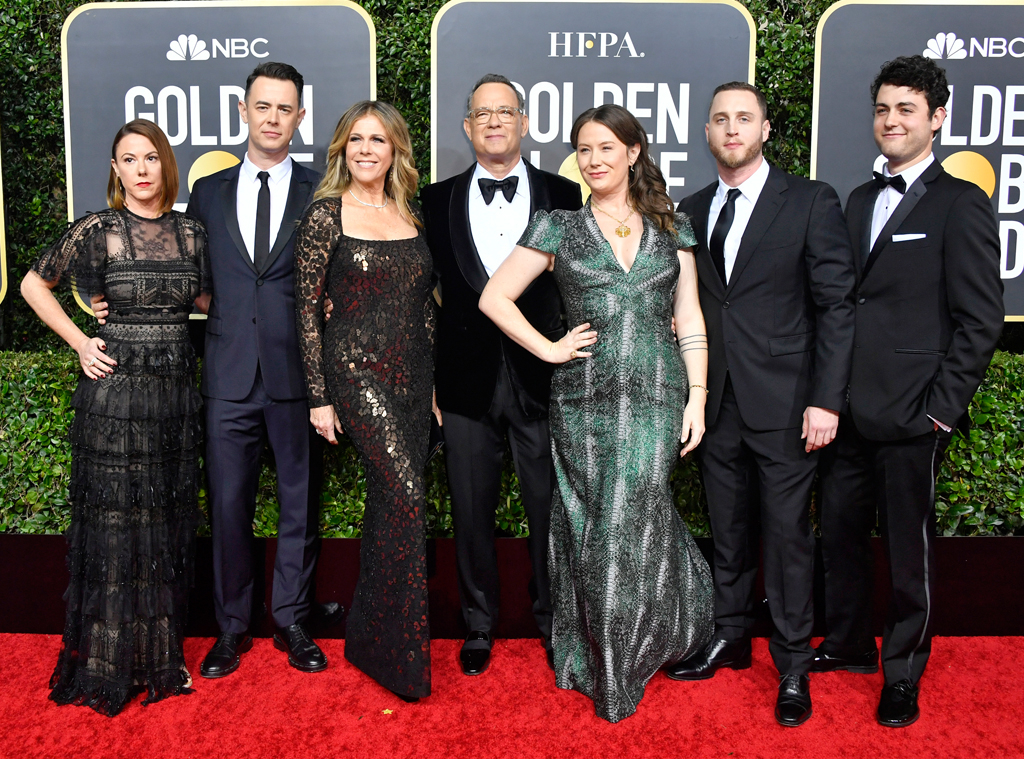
(277, 172)
(750, 188)
(519, 170)
(912, 174)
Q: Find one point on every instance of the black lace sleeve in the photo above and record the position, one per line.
(193, 234)
(315, 241)
(78, 257)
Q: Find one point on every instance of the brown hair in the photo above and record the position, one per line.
(647, 190)
(168, 164)
(402, 179)
(743, 87)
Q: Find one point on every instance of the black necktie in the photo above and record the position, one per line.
(721, 231)
(507, 186)
(897, 182)
(261, 243)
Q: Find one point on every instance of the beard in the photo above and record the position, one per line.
(735, 160)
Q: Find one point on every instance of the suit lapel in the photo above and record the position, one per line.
(298, 192)
(911, 198)
(229, 206)
(768, 205)
(540, 197)
(858, 218)
(706, 271)
(463, 247)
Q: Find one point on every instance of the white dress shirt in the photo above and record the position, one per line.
(750, 191)
(497, 227)
(889, 198)
(247, 199)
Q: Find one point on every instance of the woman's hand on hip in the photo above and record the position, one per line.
(571, 344)
(326, 422)
(95, 363)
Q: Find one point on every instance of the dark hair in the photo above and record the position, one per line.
(495, 79)
(168, 164)
(273, 70)
(647, 191)
(918, 73)
(744, 87)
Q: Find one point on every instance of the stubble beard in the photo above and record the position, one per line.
(734, 161)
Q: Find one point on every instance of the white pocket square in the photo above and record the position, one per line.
(908, 238)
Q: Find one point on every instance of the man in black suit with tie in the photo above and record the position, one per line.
(776, 286)
(253, 381)
(488, 387)
(929, 311)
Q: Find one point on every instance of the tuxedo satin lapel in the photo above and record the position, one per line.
(539, 195)
(298, 192)
(706, 272)
(862, 228)
(463, 247)
(229, 206)
(911, 198)
(768, 205)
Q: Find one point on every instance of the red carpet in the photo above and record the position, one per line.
(972, 701)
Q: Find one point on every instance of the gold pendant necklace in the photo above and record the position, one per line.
(622, 230)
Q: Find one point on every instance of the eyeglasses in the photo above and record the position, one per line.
(506, 114)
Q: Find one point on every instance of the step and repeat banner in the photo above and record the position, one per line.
(661, 60)
(981, 46)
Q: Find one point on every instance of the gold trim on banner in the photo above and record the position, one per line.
(452, 3)
(183, 4)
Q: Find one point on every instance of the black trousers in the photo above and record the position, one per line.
(474, 449)
(236, 432)
(895, 482)
(753, 479)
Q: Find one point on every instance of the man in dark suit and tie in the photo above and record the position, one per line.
(488, 387)
(929, 311)
(253, 382)
(776, 287)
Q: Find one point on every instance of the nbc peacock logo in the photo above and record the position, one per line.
(188, 47)
(945, 45)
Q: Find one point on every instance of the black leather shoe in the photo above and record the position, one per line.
(303, 653)
(793, 707)
(475, 661)
(718, 654)
(328, 614)
(898, 705)
(864, 663)
(550, 655)
(226, 655)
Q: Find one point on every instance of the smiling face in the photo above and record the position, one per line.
(273, 114)
(369, 151)
(603, 159)
(138, 167)
(903, 126)
(736, 129)
(495, 140)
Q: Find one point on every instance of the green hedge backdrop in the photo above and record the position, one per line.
(980, 492)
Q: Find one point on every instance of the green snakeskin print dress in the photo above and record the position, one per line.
(631, 591)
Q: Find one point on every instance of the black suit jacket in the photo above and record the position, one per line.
(252, 315)
(783, 327)
(469, 345)
(929, 310)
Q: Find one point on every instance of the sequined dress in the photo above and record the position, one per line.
(373, 361)
(135, 443)
(631, 591)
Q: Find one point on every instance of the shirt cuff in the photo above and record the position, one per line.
(947, 429)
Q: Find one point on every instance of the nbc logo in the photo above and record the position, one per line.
(940, 46)
(189, 48)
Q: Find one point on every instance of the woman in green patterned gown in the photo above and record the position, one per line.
(631, 590)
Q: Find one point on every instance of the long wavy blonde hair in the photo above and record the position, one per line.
(402, 180)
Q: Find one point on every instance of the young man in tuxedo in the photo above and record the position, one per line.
(488, 387)
(929, 311)
(776, 287)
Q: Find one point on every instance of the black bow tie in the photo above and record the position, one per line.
(507, 186)
(897, 182)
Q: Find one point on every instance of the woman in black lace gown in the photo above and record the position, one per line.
(369, 373)
(136, 435)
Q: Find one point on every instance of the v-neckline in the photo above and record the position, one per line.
(639, 248)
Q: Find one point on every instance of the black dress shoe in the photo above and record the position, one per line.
(475, 661)
(225, 656)
(793, 707)
(898, 705)
(328, 614)
(733, 654)
(303, 653)
(865, 663)
(551, 658)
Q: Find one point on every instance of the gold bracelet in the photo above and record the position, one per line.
(699, 386)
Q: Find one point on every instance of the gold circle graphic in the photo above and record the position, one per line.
(210, 163)
(972, 167)
(571, 170)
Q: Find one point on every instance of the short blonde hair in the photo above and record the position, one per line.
(168, 164)
(403, 178)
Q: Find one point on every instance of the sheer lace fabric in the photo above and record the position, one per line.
(373, 362)
(135, 443)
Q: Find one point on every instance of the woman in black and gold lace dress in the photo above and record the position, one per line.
(136, 435)
(369, 373)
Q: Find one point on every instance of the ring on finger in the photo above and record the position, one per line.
(91, 362)
(572, 354)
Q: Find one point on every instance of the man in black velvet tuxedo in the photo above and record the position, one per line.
(929, 310)
(487, 386)
(776, 287)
